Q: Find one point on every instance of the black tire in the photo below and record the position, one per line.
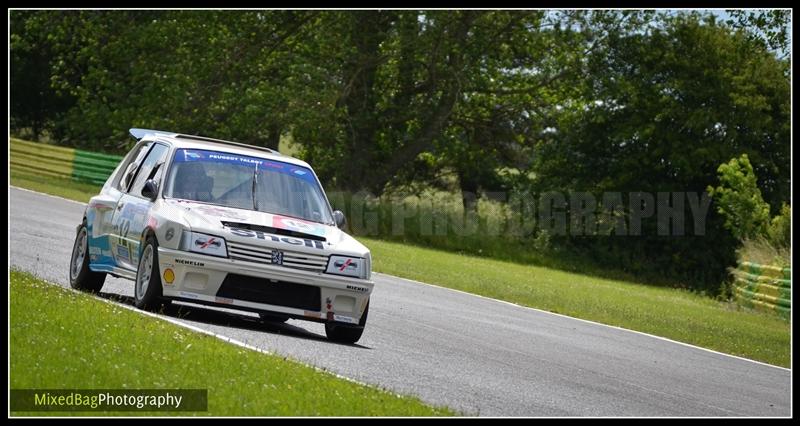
(273, 317)
(147, 287)
(343, 333)
(80, 276)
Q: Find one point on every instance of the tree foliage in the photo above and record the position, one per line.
(768, 27)
(739, 200)
(662, 109)
(779, 232)
(35, 103)
(224, 74)
(475, 101)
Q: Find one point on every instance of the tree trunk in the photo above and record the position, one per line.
(469, 193)
(367, 33)
(434, 123)
(273, 137)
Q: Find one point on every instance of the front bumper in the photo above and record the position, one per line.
(263, 288)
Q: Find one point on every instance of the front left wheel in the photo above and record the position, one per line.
(80, 276)
(147, 292)
(343, 333)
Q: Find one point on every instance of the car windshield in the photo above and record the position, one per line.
(246, 182)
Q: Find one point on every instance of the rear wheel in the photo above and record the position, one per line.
(147, 292)
(80, 276)
(343, 333)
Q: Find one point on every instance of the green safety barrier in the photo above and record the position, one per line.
(764, 287)
(57, 161)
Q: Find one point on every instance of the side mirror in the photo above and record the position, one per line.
(150, 190)
(339, 218)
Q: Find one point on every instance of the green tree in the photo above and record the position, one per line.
(739, 200)
(35, 104)
(227, 74)
(466, 89)
(661, 109)
(779, 232)
(769, 27)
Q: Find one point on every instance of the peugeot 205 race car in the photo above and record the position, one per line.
(215, 222)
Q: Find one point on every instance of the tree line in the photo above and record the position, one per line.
(476, 101)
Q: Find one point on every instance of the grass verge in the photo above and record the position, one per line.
(676, 314)
(762, 251)
(61, 187)
(668, 312)
(62, 339)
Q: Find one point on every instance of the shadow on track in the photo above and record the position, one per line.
(238, 320)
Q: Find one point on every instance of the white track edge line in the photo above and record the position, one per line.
(588, 321)
(222, 337)
(48, 195)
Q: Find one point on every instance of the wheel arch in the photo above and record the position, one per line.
(147, 232)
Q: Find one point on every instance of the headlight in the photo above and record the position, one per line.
(349, 266)
(205, 244)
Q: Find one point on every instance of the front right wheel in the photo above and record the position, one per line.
(346, 333)
(80, 276)
(147, 291)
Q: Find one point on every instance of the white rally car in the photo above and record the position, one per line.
(215, 222)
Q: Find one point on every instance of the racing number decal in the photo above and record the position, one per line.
(126, 227)
(124, 245)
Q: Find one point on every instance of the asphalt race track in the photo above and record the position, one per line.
(480, 356)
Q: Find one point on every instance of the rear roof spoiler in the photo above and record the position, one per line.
(140, 133)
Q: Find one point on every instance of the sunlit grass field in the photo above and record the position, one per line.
(62, 339)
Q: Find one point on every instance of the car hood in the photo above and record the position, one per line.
(230, 223)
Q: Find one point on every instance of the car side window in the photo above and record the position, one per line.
(150, 167)
(130, 169)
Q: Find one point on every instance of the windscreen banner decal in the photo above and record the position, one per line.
(299, 225)
(190, 155)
